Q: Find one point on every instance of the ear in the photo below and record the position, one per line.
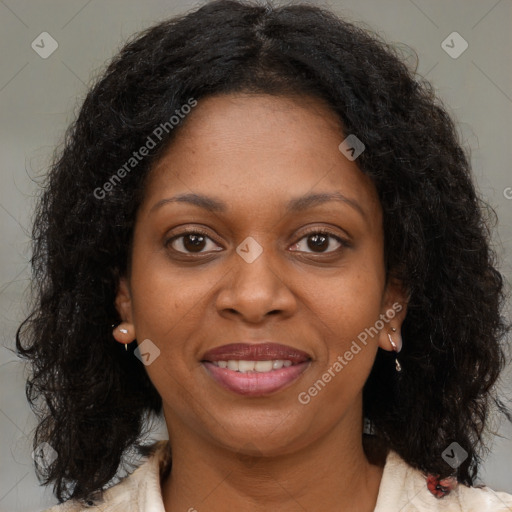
(123, 301)
(124, 332)
(394, 310)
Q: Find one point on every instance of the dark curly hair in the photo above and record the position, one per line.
(94, 402)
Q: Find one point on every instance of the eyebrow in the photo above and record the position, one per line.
(294, 205)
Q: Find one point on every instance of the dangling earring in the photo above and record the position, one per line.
(396, 349)
(124, 331)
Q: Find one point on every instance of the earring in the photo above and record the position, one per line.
(396, 349)
(124, 333)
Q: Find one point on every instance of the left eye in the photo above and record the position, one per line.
(319, 240)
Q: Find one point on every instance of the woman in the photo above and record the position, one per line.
(273, 215)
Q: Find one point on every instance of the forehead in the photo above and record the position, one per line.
(257, 127)
(251, 148)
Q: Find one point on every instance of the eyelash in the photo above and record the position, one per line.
(313, 231)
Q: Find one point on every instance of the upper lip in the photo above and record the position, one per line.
(255, 352)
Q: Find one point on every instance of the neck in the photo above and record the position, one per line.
(330, 474)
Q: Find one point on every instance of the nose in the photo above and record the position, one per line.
(257, 289)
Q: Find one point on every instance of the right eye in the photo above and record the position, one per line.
(189, 242)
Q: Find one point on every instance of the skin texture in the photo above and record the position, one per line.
(255, 153)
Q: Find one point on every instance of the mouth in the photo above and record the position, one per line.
(257, 369)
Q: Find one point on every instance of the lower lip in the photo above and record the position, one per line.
(254, 383)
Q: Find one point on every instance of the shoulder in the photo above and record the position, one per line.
(405, 488)
(138, 492)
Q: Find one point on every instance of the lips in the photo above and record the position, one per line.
(255, 370)
(256, 352)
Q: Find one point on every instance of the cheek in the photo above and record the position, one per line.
(168, 308)
(347, 313)
(166, 298)
(351, 301)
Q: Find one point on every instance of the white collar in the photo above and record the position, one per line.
(402, 488)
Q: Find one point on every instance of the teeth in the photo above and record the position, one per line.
(246, 366)
(263, 366)
(253, 366)
(233, 365)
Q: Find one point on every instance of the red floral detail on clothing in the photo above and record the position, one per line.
(440, 488)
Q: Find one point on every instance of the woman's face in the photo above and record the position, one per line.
(257, 270)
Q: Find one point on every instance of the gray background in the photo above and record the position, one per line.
(39, 98)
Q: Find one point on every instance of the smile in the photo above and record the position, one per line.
(255, 369)
(255, 383)
(253, 366)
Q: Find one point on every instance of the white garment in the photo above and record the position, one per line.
(402, 489)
